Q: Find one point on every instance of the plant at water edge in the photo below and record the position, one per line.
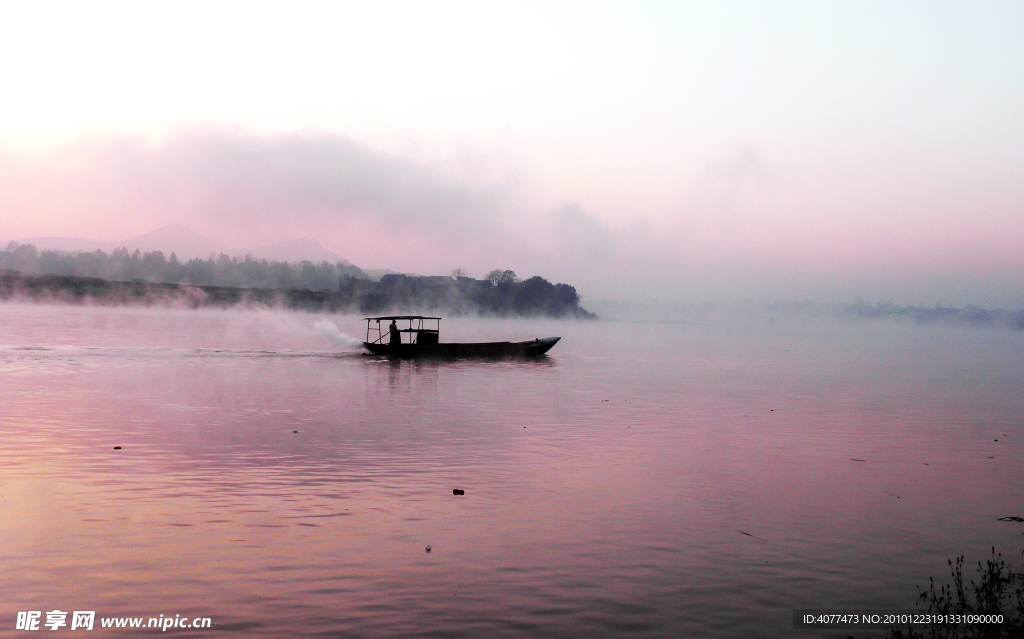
(999, 591)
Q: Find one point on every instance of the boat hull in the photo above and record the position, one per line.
(532, 348)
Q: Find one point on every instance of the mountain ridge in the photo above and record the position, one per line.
(188, 244)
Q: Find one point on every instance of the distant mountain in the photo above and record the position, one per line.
(188, 244)
(177, 239)
(65, 244)
(295, 251)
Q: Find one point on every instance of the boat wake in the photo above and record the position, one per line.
(10, 352)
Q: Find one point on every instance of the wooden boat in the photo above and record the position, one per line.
(420, 339)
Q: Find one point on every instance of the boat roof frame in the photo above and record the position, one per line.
(402, 317)
(412, 319)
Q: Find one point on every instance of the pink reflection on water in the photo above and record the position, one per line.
(618, 486)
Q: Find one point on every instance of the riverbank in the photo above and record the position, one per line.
(533, 298)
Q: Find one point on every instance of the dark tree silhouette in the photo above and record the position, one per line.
(148, 278)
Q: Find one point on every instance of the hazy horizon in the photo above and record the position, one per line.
(664, 152)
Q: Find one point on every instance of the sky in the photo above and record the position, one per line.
(676, 151)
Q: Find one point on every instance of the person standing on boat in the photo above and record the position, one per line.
(396, 337)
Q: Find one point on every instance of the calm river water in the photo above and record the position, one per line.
(644, 480)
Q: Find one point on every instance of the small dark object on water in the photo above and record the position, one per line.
(995, 440)
(295, 431)
(852, 459)
(117, 448)
(744, 533)
(990, 457)
(1011, 519)
(458, 491)
(427, 549)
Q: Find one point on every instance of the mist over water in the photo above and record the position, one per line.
(646, 479)
(750, 313)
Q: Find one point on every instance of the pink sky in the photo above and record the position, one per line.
(672, 151)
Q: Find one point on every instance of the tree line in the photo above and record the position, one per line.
(223, 270)
(150, 278)
(502, 294)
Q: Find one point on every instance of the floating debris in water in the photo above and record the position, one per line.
(427, 549)
(117, 448)
(853, 459)
(743, 533)
(1011, 519)
(458, 491)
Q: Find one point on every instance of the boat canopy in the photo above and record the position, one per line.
(403, 317)
(417, 332)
